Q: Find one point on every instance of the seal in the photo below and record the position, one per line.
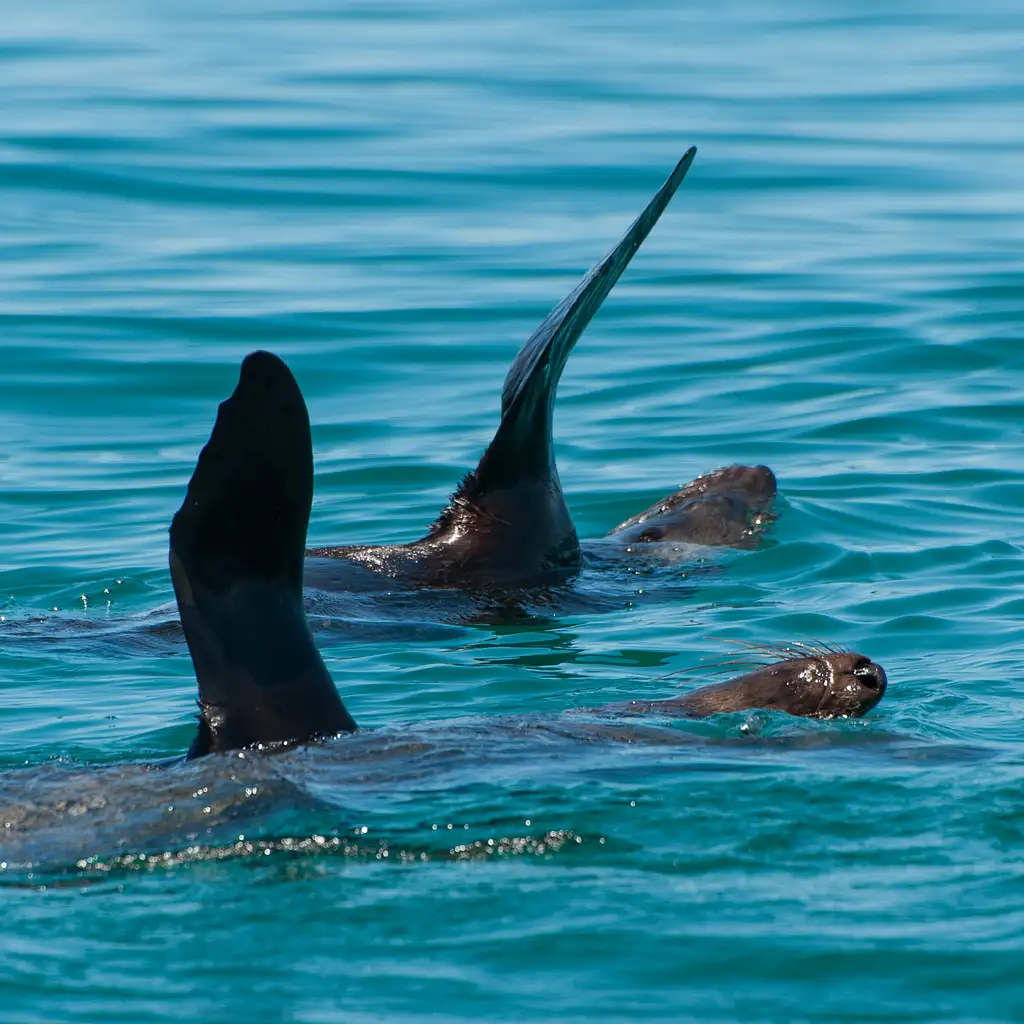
(825, 684)
(236, 561)
(508, 524)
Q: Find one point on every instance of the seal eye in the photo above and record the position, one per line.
(866, 672)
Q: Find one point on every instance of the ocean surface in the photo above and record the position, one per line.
(391, 195)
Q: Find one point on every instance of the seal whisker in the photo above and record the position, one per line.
(746, 660)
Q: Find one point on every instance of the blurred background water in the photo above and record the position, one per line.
(391, 195)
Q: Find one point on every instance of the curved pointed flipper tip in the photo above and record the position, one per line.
(683, 166)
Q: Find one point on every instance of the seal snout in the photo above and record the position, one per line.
(870, 675)
(855, 684)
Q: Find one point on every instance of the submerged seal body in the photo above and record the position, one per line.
(508, 524)
(236, 558)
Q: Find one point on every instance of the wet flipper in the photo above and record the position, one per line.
(512, 503)
(236, 562)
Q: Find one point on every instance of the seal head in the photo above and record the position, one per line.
(727, 508)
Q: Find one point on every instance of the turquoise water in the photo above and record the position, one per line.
(391, 196)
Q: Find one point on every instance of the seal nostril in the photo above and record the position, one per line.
(867, 675)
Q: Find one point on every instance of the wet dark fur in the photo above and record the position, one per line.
(726, 508)
(808, 682)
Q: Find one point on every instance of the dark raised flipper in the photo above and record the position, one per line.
(236, 562)
(508, 521)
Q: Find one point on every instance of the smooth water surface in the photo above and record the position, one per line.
(391, 196)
